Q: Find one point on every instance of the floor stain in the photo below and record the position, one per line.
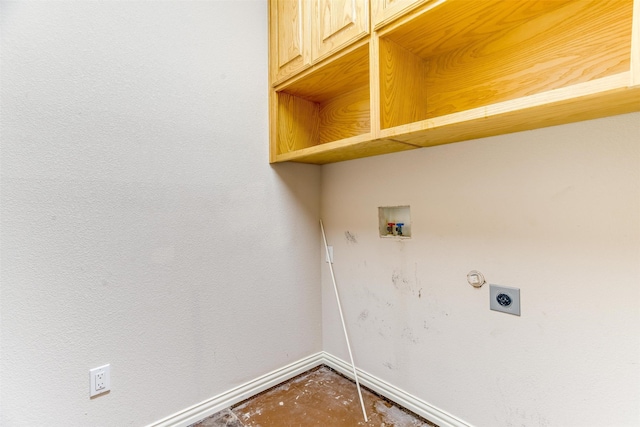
(224, 418)
(320, 397)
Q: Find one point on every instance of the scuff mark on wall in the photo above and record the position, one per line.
(400, 282)
(407, 333)
(384, 329)
(370, 294)
(388, 365)
(415, 273)
(350, 237)
(514, 415)
(405, 283)
(395, 278)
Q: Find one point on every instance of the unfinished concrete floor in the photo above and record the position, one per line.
(320, 397)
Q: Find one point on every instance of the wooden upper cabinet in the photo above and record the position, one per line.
(290, 37)
(385, 11)
(337, 23)
(439, 71)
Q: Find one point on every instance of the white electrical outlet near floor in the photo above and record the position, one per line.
(100, 380)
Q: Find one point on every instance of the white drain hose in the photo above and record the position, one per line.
(344, 327)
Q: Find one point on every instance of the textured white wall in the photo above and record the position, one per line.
(554, 212)
(142, 225)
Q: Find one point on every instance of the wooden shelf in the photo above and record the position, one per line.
(533, 65)
(324, 115)
(453, 70)
(328, 103)
(605, 97)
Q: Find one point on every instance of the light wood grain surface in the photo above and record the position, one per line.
(337, 23)
(441, 71)
(290, 38)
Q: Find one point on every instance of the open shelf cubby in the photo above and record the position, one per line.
(458, 57)
(329, 103)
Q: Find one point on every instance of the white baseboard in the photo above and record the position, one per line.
(229, 398)
(401, 397)
(224, 400)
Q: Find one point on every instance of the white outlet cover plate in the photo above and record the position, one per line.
(506, 295)
(330, 257)
(100, 386)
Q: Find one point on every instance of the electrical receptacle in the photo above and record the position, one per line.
(100, 380)
(505, 299)
(328, 257)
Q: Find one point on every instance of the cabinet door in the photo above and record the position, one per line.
(290, 37)
(385, 11)
(336, 23)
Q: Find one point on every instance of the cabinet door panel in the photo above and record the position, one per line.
(290, 37)
(337, 23)
(385, 11)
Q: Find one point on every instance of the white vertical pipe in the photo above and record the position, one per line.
(344, 327)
